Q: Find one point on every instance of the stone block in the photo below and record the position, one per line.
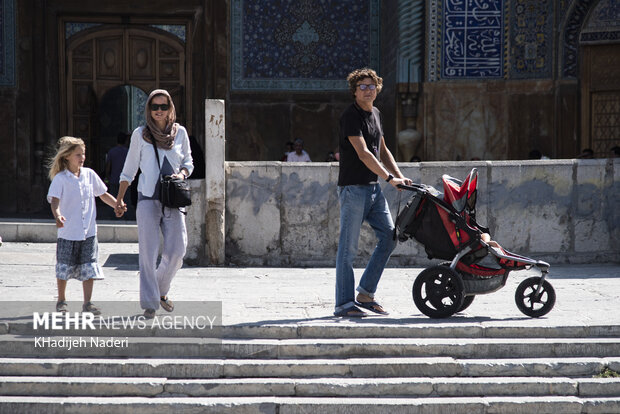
(253, 210)
(305, 206)
(37, 232)
(590, 223)
(530, 204)
(599, 387)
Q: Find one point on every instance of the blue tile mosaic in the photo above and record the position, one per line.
(72, 28)
(176, 29)
(301, 44)
(472, 39)
(570, 37)
(531, 37)
(7, 43)
(603, 23)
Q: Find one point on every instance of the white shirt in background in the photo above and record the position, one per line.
(293, 157)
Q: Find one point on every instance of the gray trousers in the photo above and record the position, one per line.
(155, 281)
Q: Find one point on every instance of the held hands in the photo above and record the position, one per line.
(120, 208)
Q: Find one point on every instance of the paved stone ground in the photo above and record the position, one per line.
(587, 295)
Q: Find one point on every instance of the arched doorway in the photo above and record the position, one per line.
(599, 44)
(106, 57)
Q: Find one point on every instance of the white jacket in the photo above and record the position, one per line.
(141, 155)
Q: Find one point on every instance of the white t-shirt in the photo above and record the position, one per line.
(77, 202)
(293, 157)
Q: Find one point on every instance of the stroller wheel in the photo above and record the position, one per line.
(531, 304)
(467, 300)
(438, 292)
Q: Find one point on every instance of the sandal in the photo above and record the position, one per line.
(61, 306)
(149, 313)
(351, 312)
(373, 307)
(89, 307)
(166, 304)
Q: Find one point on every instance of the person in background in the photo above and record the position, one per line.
(198, 157)
(586, 153)
(114, 161)
(288, 150)
(364, 159)
(171, 141)
(299, 155)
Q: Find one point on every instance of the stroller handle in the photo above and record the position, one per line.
(412, 187)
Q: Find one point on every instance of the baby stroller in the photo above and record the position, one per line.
(445, 224)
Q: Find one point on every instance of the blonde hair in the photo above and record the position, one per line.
(360, 74)
(66, 145)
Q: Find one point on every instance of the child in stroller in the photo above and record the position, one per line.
(445, 224)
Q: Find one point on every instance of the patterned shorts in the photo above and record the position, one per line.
(77, 259)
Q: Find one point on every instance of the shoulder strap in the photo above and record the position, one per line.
(157, 156)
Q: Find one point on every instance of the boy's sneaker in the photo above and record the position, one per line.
(89, 307)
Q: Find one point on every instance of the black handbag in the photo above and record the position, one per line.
(174, 192)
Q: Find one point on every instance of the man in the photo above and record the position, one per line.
(298, 155)
(362, 149)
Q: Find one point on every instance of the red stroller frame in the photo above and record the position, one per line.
(447, 229)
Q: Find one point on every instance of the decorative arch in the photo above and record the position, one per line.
(573, 23)
(105, 57)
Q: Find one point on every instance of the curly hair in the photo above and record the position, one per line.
(66, 145)
(359, 74)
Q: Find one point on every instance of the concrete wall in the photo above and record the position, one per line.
(562, 211)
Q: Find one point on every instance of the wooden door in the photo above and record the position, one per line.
(600, 98)
(112, 56)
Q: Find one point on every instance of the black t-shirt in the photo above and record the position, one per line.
(358, 123)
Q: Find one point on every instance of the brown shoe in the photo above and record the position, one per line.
(149, 313)
(89, 307)
(166, 304)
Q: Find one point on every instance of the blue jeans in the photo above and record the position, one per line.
(359, 203)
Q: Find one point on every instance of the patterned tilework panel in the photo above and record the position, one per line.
(472, 39)
(302, 44)
(7, 43)
(72, 28)
(603, 23)
(176, 29)
(531, 37)
(570, 37)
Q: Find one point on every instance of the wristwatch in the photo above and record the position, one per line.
(390, 176)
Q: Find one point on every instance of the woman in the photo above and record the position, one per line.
(175, 159)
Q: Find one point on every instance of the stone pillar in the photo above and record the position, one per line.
(215, 180)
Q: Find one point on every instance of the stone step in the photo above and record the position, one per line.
(365, 329)
(438, 387)
(293, 405)
(339, 368)
(159, 347)
(45, 231)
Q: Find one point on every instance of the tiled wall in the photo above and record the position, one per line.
(301, 44)
(7, 42)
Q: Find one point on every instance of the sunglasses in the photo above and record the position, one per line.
(157, 107)
(364, 86)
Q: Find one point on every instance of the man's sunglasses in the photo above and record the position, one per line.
(157, 107)
(363, 86)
